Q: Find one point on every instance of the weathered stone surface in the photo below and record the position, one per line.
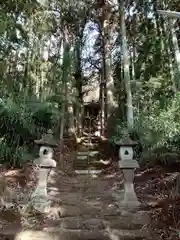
(85, 209)
(123, 224)
(110, 210)
(71, 223)
(128, 234)
(129, 221)
(67, 198)
(61, 235)
(68, 211)
(93, 224)
(79, 223)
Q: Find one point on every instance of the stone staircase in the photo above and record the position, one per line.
(88, 210)
(88, 156)
(83, 208)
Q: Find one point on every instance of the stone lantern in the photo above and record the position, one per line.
(44, 165)
(47, 140)
(128, 165)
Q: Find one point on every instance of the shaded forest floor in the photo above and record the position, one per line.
(157, 188)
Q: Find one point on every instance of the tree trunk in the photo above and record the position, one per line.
(65, 69)
(127, 81)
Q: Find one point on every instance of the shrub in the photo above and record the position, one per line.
(20, 125)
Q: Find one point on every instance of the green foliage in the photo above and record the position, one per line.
(156, 128)
(161, 127)
(20, 125)
(29, 30)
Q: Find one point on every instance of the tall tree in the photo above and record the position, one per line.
(127, 80)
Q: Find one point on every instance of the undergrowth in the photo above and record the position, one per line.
(20, 125)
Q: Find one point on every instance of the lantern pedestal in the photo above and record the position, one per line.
(44, 165)
(127, 199)
(130, 200)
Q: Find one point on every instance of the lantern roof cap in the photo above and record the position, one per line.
(47, 140)
(126, 142)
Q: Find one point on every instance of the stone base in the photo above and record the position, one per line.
(125, 205)
(129, 205)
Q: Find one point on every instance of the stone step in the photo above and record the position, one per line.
(94, 137)
(92, 140)
(85, 165)
(85, 172)
(91, 229)
(87, 153)
(55, 234)
(82, 148)
(139, 234)
(85, 210)
(87, 157)
(82, 157)
(129, 221)
(88, 160)
(80, 223)
(90, 145)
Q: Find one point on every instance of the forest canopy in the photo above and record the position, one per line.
(55, 56)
